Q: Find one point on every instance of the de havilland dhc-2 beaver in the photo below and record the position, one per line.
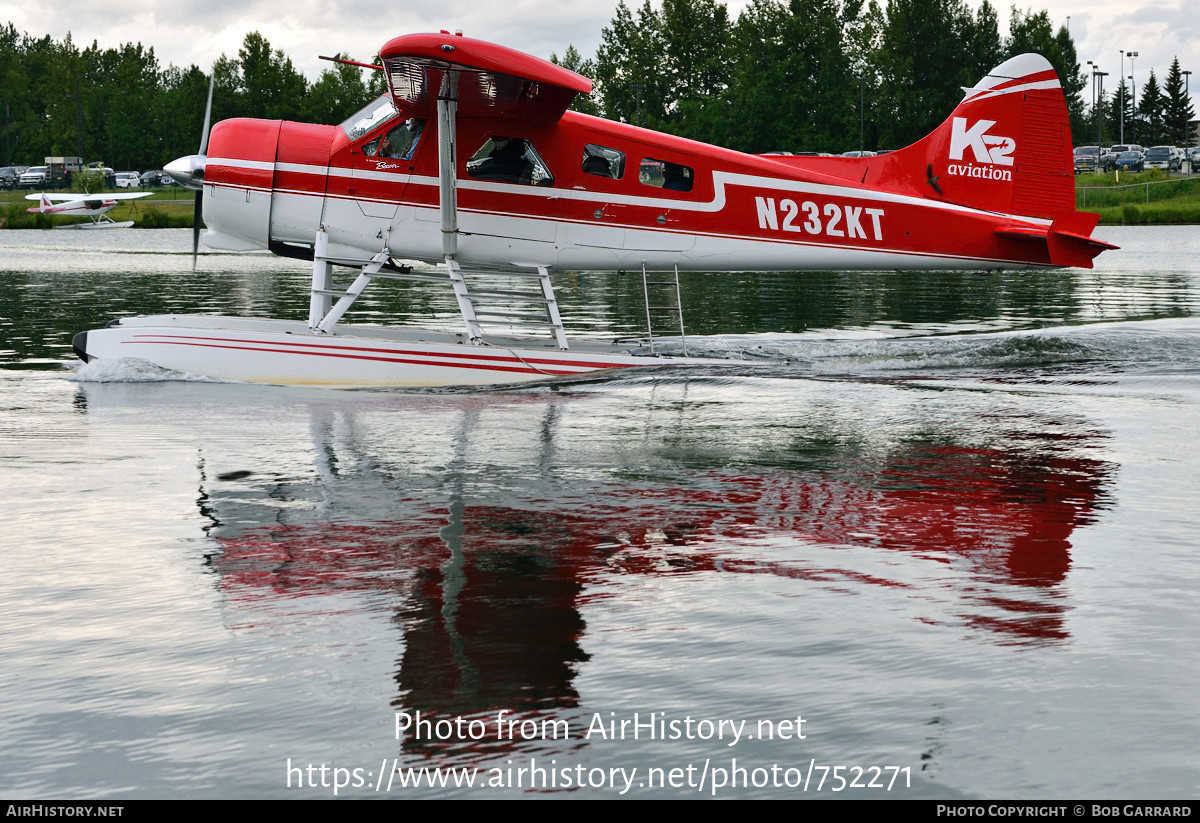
(472, 162)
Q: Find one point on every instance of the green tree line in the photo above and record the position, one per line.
(790, 74)
(810, 75)
(120, 105)
(1154, 116)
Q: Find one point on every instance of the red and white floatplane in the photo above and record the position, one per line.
(473, 164)
(95, 206)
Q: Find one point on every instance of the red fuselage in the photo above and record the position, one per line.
(523, 179)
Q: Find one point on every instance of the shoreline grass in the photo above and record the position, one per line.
(1151, 198)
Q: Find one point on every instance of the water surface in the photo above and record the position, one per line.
(949, 520)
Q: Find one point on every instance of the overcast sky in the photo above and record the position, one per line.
(197, 31)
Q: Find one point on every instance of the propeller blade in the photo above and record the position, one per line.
(198, 210)
(207, 116)
(197, 214)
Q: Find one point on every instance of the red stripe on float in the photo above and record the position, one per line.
(531, 363)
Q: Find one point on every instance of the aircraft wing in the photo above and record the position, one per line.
(493, 81)
(55, 198)
(62, 198)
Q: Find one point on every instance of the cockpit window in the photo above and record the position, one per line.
(509, 160)
(603, 162)
(400, 141)
(368, 117)
(665, 175)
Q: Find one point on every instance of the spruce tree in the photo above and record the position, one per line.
(1151, 113)
(1177, 108)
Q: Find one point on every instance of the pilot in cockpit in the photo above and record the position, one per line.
(400, 142)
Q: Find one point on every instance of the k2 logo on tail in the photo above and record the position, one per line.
(987, 148)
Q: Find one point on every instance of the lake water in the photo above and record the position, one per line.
(940, 530)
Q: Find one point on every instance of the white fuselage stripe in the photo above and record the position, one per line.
(721, 180)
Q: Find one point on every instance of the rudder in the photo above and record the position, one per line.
(1005, 148)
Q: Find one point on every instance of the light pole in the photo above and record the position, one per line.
(861, 145)
(1121, 93)
(1187, 95)
(1132, 55)
(637, 116)
(1100, 75)
(1095, 111)
(1092, 71)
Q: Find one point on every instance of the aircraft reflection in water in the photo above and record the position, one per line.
(490, 578)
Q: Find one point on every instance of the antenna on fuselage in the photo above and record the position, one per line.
(337, 58)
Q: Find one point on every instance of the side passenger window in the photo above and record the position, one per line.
(603, 162)
(664, 175)
(509, 160)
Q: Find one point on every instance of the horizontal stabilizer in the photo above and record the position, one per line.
(1070, 242)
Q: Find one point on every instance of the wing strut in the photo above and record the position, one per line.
(447, 110)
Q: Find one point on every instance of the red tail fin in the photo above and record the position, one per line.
(1006, 147)
(43, 204)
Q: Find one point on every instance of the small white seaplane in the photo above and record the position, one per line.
(95, 206)
(473, 165)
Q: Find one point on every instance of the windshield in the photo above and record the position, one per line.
(368, 117)
(1158, 153)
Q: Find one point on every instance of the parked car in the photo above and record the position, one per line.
(128, 179)
(1087, 159)
(1130, 161)
(34, 178)
(1163, 157)
(1194, 157)
(10, 176)
(154, 178)
(1121, 148)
